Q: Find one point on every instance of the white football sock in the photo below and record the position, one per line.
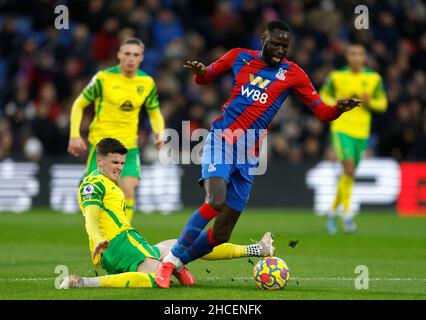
(170, 257)
(179, 265)
(91, 282)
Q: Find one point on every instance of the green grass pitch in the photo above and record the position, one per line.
(321, 266)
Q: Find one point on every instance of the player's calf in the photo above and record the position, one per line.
(221, 234)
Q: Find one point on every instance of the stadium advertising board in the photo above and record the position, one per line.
(167, 188)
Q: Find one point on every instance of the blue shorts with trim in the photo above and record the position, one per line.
(221, 162)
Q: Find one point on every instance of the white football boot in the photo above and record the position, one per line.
(266, 243)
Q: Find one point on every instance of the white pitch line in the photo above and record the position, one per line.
(319, 279)
(28, 279)
(249, 278)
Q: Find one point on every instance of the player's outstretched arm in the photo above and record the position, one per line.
(196, 67)
(345, 105)
(329, 113)
(205, 74)
(76, 145)
(91, 216)
(307, 93)
(201, 73)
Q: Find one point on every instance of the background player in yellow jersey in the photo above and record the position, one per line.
(350, 133)
(118, 94)
(116, 246)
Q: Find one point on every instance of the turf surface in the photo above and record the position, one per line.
(33, 244)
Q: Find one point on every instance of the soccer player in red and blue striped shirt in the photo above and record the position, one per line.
(262, 81)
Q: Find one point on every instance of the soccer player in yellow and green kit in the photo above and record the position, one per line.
(116, 246)
(118, 94)
(350, 133)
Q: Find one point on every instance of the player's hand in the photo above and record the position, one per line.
(159, 141)
(77, 146)
(345, 105)
(100, 247)
(365, 100)
(196, 67)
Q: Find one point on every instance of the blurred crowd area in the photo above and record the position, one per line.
(42, 69)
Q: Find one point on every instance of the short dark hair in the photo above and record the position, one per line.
(277, 24)
(132, 40)
(110, 145)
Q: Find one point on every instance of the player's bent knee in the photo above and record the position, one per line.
(216, 193)
(349, 168)
(350, 172)
(216, 202)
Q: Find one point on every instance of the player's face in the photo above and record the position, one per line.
(356, 56)
(111, 165)
(130, 57)
(275, 46)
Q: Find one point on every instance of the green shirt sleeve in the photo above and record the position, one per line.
(151, 101)
(379, 91)
(378, 101)
(94, 89)
(328, 91)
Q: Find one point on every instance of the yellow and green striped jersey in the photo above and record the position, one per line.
(118, 101)
(97, 189)
(344, 84)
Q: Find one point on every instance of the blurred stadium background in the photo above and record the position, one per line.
(43, 69)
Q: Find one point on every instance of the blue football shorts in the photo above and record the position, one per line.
(221, 159)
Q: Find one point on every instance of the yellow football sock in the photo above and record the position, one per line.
(130, 203)
(338, 197)
(347, 182)
(128, 280)
(226, 251)
(232, 251)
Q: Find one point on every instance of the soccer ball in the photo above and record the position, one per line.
(271, 273)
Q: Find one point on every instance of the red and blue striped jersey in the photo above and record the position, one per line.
(259, 90)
